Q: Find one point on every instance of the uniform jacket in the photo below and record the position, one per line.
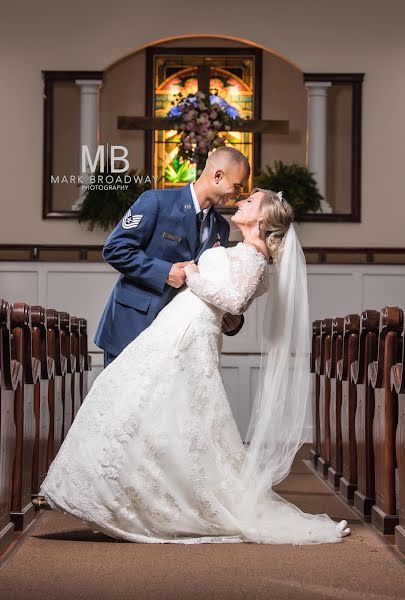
(158, 230)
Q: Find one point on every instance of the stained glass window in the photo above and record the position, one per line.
(231, 84)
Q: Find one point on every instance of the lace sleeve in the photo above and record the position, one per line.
(246, 271)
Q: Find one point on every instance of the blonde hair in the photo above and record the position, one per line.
(277, 215)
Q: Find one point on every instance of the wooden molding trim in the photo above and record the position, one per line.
(313, 255)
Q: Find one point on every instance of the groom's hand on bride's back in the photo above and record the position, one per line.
(177, 276)
(231, 322)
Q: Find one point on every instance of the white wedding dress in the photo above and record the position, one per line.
(154, 452)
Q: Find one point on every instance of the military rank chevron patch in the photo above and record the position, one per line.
(130, 221)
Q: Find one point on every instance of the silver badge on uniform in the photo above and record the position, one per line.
(187, 206)
(130, 221)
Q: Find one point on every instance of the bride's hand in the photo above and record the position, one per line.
(191, 268)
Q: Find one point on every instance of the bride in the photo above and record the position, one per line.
(154, 454)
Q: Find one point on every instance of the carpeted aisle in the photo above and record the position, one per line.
(63, 559)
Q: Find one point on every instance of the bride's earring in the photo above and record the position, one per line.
(258, 229)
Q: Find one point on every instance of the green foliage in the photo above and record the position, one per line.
(297, 184)
(105, 207)
(178, 172)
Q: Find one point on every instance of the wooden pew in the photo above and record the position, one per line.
(315, 355)
(348, 482)
(11, 372)
(335, 469)
(84, 352)
(364, 496)
(41, 402)
(79, 362)
(55, 396)
(398, 381)
(22, 510)
(324, 397)
(383, 514)
(66, 350)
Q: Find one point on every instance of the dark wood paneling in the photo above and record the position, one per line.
(89, 253)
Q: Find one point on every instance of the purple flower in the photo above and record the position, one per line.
(203, 118)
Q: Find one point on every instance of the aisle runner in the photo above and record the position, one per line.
(62, 559)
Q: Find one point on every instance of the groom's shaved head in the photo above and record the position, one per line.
(225, 156)
(225, 173)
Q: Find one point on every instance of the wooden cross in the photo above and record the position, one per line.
(251, 125)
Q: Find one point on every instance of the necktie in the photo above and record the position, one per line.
(200, 218)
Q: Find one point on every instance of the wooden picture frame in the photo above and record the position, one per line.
(50, 78)
(355, 80)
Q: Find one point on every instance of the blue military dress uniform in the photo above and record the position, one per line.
(158, 230)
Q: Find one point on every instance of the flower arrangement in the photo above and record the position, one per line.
(200, 120)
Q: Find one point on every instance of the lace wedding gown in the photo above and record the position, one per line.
(154, 453)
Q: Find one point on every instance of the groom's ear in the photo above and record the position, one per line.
(218, 175)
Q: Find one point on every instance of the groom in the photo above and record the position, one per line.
(161, 232)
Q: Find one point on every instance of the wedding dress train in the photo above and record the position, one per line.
(154, 453)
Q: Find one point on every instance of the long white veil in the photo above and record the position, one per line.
(276, 428)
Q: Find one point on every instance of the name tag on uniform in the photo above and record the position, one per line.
(171, 236)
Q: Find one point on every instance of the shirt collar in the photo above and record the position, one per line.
(195, 200)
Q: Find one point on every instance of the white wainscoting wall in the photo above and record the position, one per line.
(82, 289)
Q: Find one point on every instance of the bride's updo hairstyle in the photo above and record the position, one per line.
(277, 214)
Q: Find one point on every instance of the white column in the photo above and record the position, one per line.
(89, 90)
(317, 135)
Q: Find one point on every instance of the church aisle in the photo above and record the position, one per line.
(63, 559)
